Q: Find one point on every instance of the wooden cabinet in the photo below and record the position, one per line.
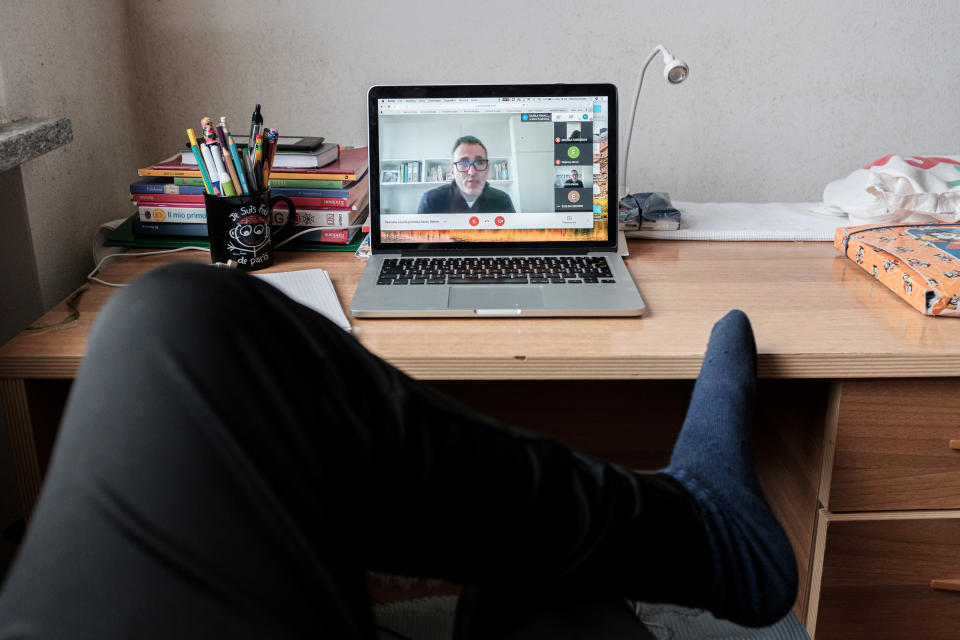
(886, 559)
(893, 446)
(877, 574)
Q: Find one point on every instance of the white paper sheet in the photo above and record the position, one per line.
(311, 288)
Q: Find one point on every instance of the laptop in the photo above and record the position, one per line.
(494, 201)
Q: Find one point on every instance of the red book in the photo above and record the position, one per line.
(167, 198)
(197, 199)
(171, 167)
(351, 165)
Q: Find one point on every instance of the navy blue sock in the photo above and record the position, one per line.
(754, 569)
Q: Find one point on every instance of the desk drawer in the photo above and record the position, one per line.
(893, 446)
(876, 576)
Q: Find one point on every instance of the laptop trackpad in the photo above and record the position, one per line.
(478, 296)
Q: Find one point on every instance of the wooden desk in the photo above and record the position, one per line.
(859, 400)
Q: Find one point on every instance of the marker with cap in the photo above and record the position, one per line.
(227, 160)
(225, 184)
(211, 168)
(210, 137)
(200, 162)
(235, 154)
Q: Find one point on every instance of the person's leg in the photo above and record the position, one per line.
(220, 467)
(229, 462)
(732, 558)
(191, 491)
(754, 569)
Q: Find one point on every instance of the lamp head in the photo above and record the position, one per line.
(674, 71)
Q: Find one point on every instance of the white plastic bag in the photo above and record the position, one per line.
(898, 189)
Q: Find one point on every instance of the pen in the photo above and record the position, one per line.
(200, 162)
(265, 155)
(270, 151)
(245, 159)
(258, 163)
(225, 184)
(227, 160)
(256, 121)
(235, 153)
(211, 169)
(210, 138)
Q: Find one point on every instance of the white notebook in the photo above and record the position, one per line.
(311, 288)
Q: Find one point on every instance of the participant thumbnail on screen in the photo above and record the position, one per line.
(580, 176)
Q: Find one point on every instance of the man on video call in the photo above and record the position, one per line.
(469, 191)
(574, 180)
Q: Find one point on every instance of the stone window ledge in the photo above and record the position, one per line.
(26, 139)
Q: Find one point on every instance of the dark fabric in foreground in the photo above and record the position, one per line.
(230, 463)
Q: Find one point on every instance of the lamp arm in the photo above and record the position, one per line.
(633, 116)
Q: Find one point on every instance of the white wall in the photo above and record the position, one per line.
(68, 58)
(783, 96)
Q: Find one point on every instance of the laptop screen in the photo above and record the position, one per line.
(509, 168)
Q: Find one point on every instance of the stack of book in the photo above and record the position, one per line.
(302, 153)
(331, 200)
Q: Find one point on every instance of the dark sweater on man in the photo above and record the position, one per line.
(448, 199)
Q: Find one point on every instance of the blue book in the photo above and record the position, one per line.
(311, 193)
(163, 185)
(169, 229)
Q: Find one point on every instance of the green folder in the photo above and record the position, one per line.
(123, 236)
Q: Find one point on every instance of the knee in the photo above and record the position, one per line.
(197, 307)
(176, 299)
(176, 288)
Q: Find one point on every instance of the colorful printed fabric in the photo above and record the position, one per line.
(920, 263)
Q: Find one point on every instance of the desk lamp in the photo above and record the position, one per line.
(674, 71)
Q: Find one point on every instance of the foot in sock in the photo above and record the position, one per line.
(754, 569)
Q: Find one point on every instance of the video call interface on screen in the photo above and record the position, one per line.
(507, 169)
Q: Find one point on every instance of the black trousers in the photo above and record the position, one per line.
(230, 463)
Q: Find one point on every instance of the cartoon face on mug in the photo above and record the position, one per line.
(250, 232)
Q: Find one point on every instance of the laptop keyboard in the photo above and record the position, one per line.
(506, 270)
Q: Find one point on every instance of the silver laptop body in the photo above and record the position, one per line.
(494, 200)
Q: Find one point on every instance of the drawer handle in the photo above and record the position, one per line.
(942, 584)
(955, 445)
